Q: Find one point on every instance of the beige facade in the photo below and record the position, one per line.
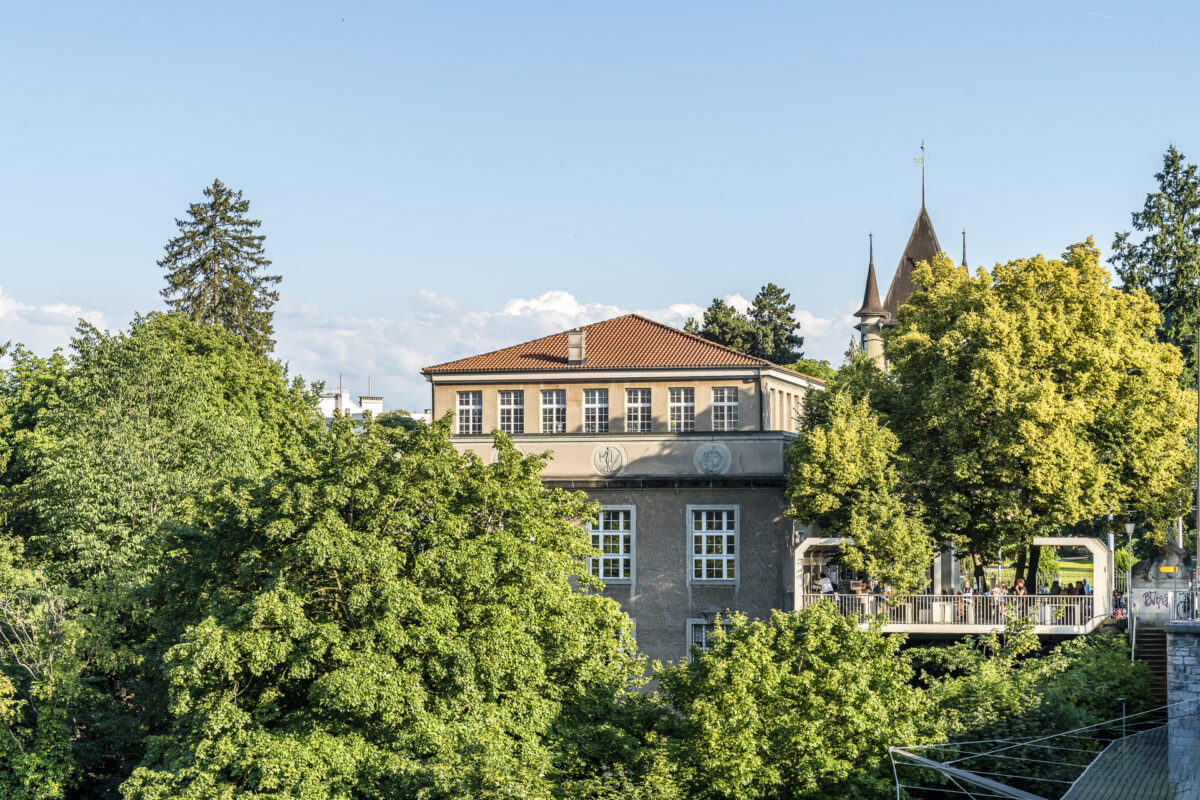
(767, 399)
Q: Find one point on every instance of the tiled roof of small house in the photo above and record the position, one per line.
(628, 342)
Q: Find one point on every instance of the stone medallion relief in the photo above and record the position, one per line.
(608, 459)
(713, 458)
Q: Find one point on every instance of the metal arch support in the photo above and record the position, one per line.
(1102, 579)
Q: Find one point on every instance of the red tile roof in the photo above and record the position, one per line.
(628, 342)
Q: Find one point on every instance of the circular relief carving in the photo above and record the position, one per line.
(713, 458)
(608, 459)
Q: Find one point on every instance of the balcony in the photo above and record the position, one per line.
(956, 614)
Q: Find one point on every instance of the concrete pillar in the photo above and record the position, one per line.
(1183, 698)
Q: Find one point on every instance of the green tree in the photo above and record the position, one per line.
(1001, 687)
(725, 325)
(843, 476)
(215, 268)
(802, 706)
(814, 368)
(104, 454)
(1165, 262)
(383, 618)
(1034, 397)
(774, 326)
(39, 680)
(767, 331)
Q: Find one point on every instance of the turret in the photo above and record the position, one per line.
(872, 315)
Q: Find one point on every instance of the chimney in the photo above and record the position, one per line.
(576, 348)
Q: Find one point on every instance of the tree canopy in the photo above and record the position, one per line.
(845, 478)
(1165, 261)
(103, 452)
(1022, 400)
(387, 619)
(215, 268)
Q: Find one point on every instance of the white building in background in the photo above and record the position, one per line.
(339, 400)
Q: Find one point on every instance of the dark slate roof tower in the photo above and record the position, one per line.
(922, 246)
(871, 307)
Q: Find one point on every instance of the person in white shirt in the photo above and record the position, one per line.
(826, 585)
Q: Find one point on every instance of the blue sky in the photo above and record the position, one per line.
(437, 179)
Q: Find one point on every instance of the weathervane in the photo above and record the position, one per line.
(921, 161)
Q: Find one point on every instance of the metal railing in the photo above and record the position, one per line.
(933, 609)
(1185, 606)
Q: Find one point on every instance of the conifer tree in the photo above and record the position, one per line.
(214, 268)
(774, 324)
(767, 331)
(1166, 261)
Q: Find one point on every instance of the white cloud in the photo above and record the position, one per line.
(391, 350)
(42, 328)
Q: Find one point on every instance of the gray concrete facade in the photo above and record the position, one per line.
(663, 595)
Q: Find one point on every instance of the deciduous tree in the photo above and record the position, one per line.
(383, 618)
(802, 706)
(1033, 397)
(844, 477)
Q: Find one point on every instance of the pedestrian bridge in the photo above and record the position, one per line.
(957, 614)
(948, 613)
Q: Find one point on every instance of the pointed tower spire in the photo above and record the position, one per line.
(871, 307)
(922, 173)
(964, 263)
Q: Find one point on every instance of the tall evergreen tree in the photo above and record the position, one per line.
(1166, 261)
(215, 268)
(725, 325)
(774, 324)
(767, 331)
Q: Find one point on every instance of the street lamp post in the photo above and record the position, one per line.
(1128, 563)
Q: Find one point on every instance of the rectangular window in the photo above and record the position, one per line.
(714, 544)
(725, 408)
(637, 410)
(681, 410)
(700, 634)
(512, 411)
(470, 412)
(554, 411)
(595, 410)
(613, 535)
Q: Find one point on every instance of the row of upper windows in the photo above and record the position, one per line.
(712, 535)
(681, 410)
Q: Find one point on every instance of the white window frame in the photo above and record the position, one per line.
(689, 634)
(556, 409)
(516, 411)
(597, 409)
(681, 409)
(473, 410)
(638, 422)
(724, 411)
(693, 558)
(596, 565)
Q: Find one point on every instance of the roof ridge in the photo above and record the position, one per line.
(626, 341)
